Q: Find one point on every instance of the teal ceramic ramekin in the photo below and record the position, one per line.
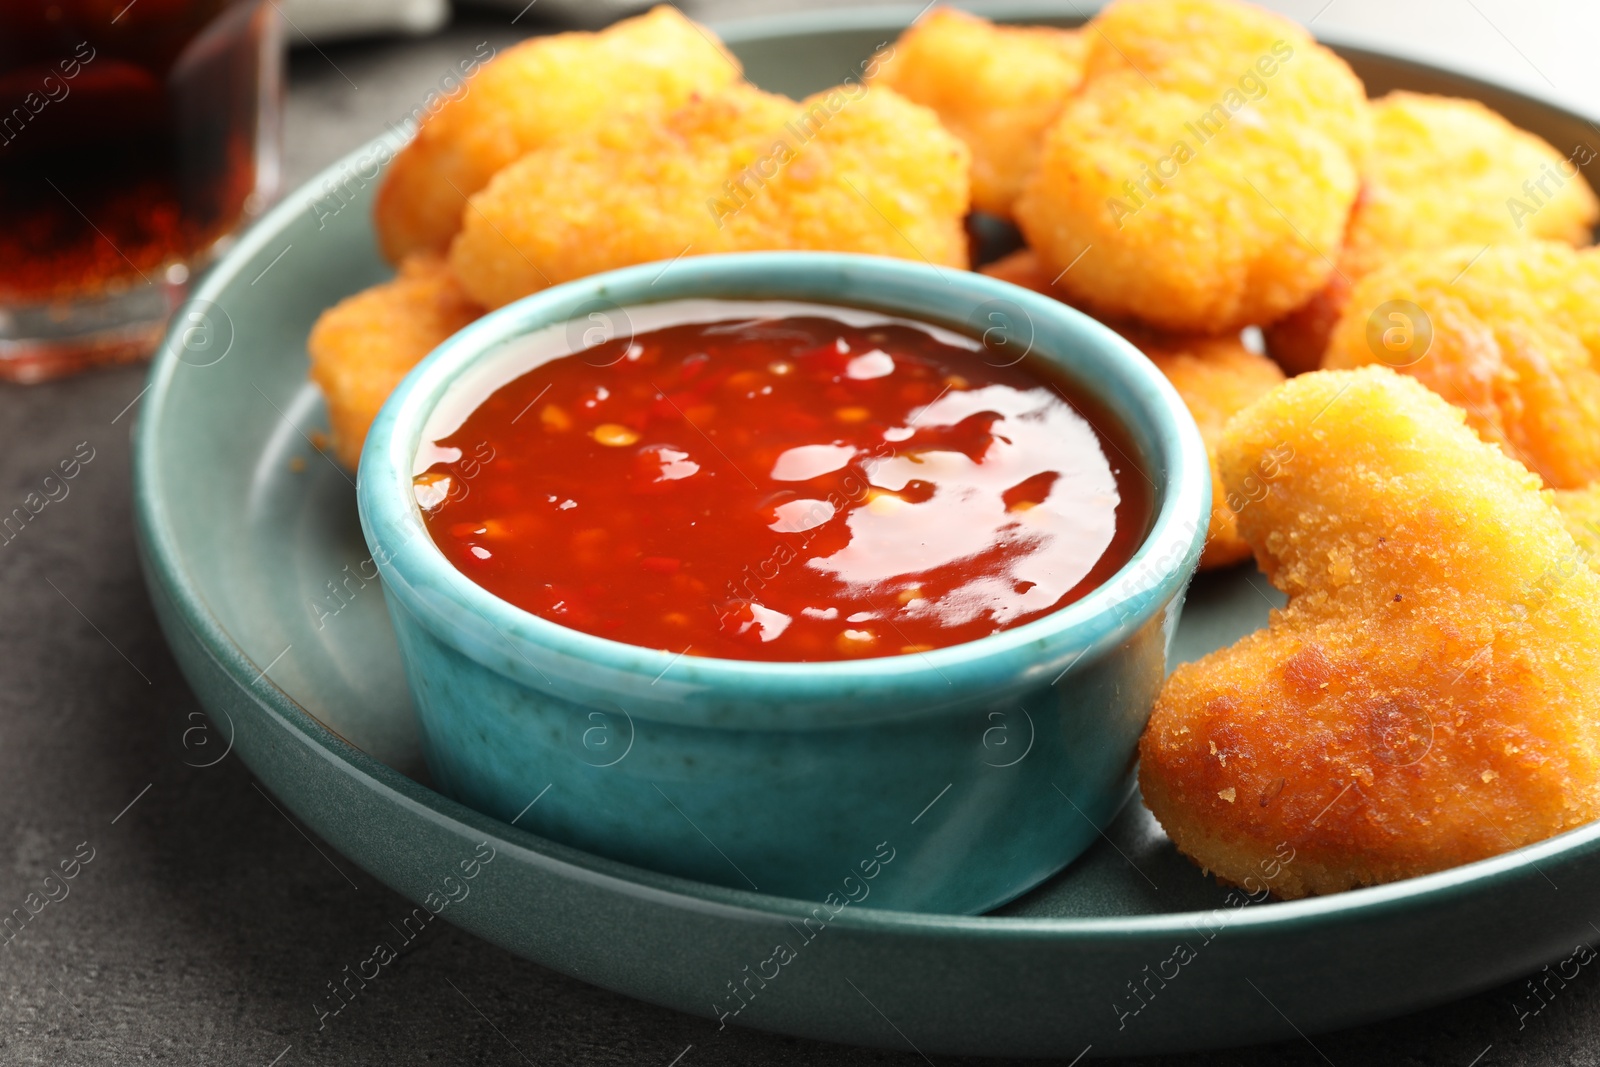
(950, 781)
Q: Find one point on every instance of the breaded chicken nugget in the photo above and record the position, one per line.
(1443, 172)
(362, 346)
(995, 87)
(1204, 172)
(528, 95)
(1510, 333)
(852, 169)
(1430, 694)
(1217, 377)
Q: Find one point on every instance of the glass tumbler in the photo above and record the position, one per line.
(135, 139)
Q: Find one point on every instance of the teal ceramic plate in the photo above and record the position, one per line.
(258, 570)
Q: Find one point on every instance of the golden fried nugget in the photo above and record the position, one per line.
(1447, 171)
(851, 169)
(362, 346)
(1217, 377)
(1430, 694)
(995, 87)
(1509, 333)
(1202, 176)
(527, 96)
(1443, 172)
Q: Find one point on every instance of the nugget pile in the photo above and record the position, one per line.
(1442, 173)
(1215, 185)
(845, 170)
(1427, 698)
(529, 96)
(577, 153)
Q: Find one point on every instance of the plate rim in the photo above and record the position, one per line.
(164, 561)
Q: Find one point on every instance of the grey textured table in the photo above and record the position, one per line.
(207, 923)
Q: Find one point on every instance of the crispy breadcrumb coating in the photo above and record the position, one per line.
(530, 94)
(362, 346)
(1443, 172)
(1205, 48)
(1580, 510)
(1515, 339)
(851, 169)
(995, 87)
(1217, 377)
(1428, 697)
(1447, 171)
(1201, 179)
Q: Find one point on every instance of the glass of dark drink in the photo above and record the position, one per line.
(135, 138)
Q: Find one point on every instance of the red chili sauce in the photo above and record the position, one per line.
(785, 482)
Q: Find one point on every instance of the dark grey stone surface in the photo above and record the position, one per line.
(206, 925)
